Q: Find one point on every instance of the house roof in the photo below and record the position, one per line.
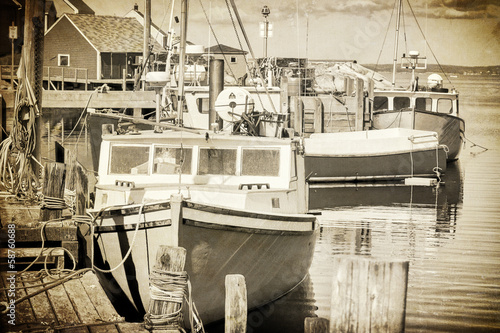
(73, 6)
(111, 33)
(221, 48)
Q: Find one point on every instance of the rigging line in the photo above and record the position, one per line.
(235, 9)
(427, 43)
(215, 36)
(383, 43)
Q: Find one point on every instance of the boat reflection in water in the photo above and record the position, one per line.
(444, 198)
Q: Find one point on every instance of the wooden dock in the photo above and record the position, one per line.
(79, 305)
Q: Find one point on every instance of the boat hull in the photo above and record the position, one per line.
(272, 251)
(387, 166)
(450, 129)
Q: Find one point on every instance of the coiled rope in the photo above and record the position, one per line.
(172, 287)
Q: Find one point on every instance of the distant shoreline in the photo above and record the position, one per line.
(449, 69)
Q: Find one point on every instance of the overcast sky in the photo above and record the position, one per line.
(460, 32)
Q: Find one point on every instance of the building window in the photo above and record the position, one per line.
(63, 60)
(233, 60)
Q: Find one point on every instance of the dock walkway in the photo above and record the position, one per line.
(79, 305)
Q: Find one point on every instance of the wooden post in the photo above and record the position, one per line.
(62, 131)
(62, 78)
(360, 96)
(86, 78)
(318, 116)
(48, 78)
(236, 304)
(316, 325)
(284, 99)
(172, 259)
(296, 114)
(34, 11)
(81, 190)
(124, 81)
(53, 187)
(368, 295)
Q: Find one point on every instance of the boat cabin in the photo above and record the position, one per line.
(239, 171)
(445, 103)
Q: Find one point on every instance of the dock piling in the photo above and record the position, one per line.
(236, 304)
(162, 314)
(53, 191)
(368, 295)
(316, 325)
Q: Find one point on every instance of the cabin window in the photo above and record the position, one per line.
(445, 105)
(168, 160)
(234, 60)
(401, 103)
(380, 103)
(261, 162)
(217, 162)
(63, 60)
(131, 160)
(202, 104)
(422, 103)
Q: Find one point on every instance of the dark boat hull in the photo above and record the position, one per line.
(450, 129)
(387, 166)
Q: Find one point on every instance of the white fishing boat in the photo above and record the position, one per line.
(390, 154)
(236, 205)
(429, 110)
(430, 107)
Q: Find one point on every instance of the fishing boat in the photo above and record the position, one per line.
(236, 205)
(430, 107)
(389, 154)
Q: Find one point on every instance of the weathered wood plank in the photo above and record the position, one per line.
(98, 297)
(81, 303)
(62, 306)
(53, 187)
(40, 303)
(24, 312)
(132, 327)
(236, 304)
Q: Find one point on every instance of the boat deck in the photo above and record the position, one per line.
(78, 305)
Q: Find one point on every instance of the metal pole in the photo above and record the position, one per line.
(216, 85)
(182, 59)
(147, 35)
(266, 29)
(12, 64)
(396, 40)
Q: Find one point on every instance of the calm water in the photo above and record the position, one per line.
(450, 235)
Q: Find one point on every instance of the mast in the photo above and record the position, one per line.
(396, 40)
(147, 36)
(182, 56)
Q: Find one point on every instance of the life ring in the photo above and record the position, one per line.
(233, 102)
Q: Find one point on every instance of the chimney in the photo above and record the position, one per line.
(136, 7)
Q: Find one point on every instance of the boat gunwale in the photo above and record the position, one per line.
(387, 153)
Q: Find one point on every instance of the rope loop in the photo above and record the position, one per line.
(53, 203)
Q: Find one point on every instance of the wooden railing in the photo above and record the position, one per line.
(68, 74)
(6, 74)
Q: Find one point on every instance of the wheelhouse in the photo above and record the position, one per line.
(445, 103)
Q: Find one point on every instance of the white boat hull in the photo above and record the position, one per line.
(272, 251)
